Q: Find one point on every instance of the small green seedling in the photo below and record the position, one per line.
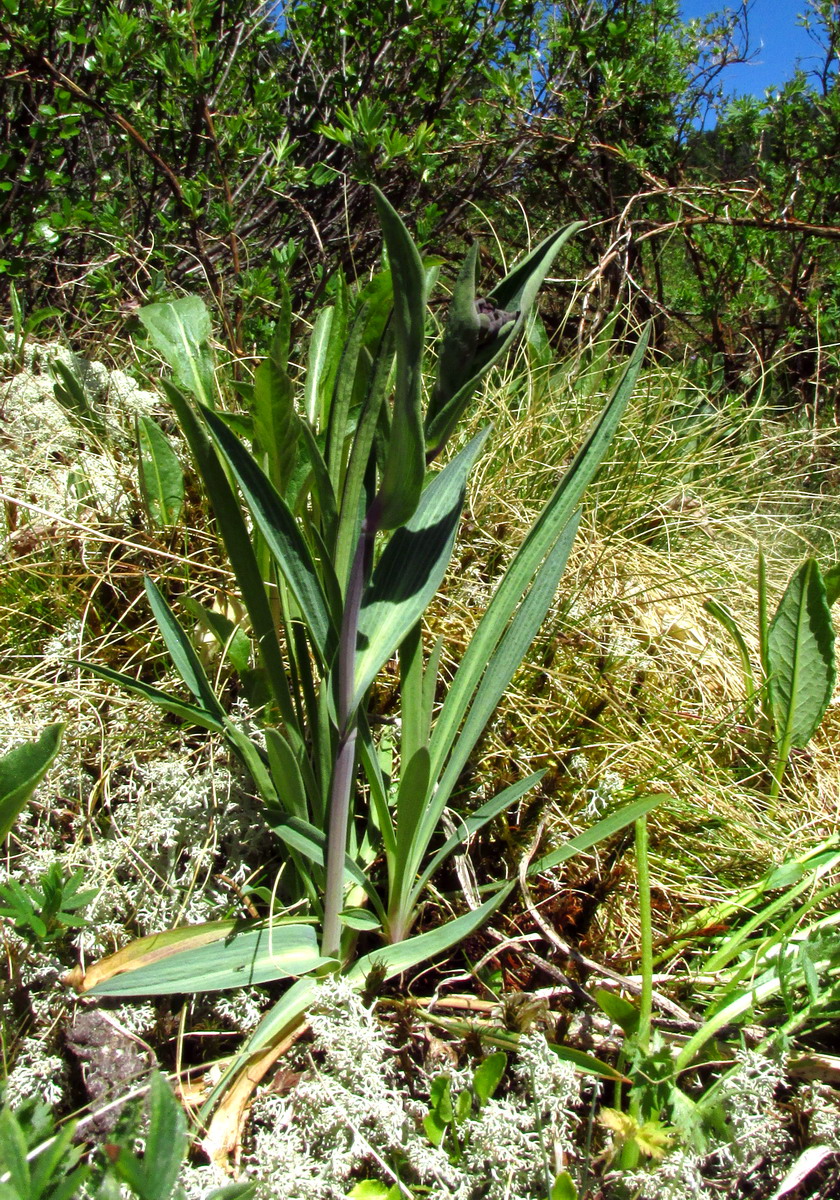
(796, 653)
(446, 1121)
(43, 912)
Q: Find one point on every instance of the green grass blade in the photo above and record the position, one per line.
(281, 533)
(726, 617)
(21, 770)
(411, 568)
(539, 540)
(610, 825)
(405, 461)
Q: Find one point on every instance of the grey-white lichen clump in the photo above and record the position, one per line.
(45, 460)
(350, 1115)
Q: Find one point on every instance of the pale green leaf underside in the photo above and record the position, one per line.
(243, 959)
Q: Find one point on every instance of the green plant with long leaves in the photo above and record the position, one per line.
(340, 541)
(796, 656)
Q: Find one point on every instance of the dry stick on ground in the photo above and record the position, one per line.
(563, 947)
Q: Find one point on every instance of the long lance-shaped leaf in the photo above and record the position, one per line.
(189, 713)
(289, 1011)
(466, 828)
(540, 538)
(353, 495)
(240, 551)
(402, 956)
(599, 832)
(800, 648)
(180, 331)
(405, 461)
(21, 770)
(160, 474)
(505, 660)
(276, 424)
(412, 567)
(345, 384)
(182, 653)
(206, 958)
(516, 293)
(285, 1016)
(282, 536)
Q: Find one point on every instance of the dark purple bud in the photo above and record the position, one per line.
(492, 320)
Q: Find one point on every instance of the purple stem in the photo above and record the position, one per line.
(341, 785)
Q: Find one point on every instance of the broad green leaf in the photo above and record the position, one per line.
(180, 331)
(282, 535)
(160, 474)
(563, 1188)
(21, 770)
(831, 579)
(488, 1076)
(411, 568)
(206, 958)
(800, 650)
(182, 653)
(598, 833)
(516, 293)
(13, 1153)
(286, 774)
(324, 346)
(405, 460)
(154, 1176)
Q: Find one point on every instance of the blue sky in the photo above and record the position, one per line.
(776, 37)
